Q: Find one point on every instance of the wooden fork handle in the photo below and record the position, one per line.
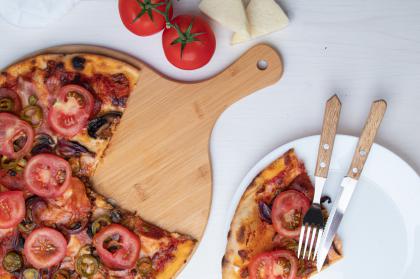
(329, 129)
(366, 139)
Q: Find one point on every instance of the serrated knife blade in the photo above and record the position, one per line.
(337, 212)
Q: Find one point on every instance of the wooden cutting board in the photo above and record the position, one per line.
(158, 161)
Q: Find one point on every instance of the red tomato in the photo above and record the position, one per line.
(117, 246)
(196, 48)
(280, 264)
(140, 16)
(16, 136)
(12, 209)
(287, 212)
(45, 247)
(71, 111)
(47, 175)
(9, 101)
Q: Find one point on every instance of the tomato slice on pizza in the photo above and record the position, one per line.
(16, 136)
(287, 212)
(45, 247)
(47, 175)
(71, 111)
(117, 246)
(12, 209)
(9, 101)
(280, 264)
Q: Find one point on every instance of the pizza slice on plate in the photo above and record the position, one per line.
(264, 233)
(57, 116)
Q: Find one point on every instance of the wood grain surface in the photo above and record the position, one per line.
(158, 161)
(366, 139)
(329, 130)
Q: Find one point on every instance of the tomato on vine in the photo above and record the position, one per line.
(145, 17)
(189, 42)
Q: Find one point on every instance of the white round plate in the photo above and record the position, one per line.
(381, 228)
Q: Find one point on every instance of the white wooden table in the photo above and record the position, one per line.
(361, 49)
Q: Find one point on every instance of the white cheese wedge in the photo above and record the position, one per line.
(229, 13)
(265, 17)
(240, 37)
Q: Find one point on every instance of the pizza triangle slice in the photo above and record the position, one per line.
(264, 232)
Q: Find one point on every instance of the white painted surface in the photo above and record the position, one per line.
(360, 49)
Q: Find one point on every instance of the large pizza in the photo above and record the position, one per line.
(57, 116)
(264, 233)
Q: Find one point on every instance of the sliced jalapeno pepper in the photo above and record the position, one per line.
(6, 104)
(30, 273)
(87, 265)
(32, 114)
(99, 223)
(15, 165)
(12, 261)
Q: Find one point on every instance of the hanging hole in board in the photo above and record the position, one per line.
(262, 65)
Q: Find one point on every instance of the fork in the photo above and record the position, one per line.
(313, 221)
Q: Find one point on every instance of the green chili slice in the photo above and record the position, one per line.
(16, 165)
(85, 250)
(6, 104)
(12, 261)
(32, 114)
(26, 227)
(99, 223)
(30, 273)
(32, 100)
(87, 265)
(145, 266)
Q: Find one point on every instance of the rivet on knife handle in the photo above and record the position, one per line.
(366, 139)
(329, 129)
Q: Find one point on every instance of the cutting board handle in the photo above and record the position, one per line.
(257, 68)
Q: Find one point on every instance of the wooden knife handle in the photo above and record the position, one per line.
(329, 129)
(366, 139)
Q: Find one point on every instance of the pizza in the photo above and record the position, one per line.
(264, 233)
(58, 113)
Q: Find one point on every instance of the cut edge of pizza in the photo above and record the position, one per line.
(65, 108)
(266, 224)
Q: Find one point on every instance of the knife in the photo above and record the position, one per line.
(349, 182)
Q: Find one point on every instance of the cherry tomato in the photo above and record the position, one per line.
(45, 247)
(141, 17)
(195, 48)
(9, 101)
(71, 111)
(287, 212)
(280, 264)
(117, 246)
(16, 136)
(12, 209)
(47, 175)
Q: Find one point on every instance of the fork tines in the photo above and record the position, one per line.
(313, 233)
